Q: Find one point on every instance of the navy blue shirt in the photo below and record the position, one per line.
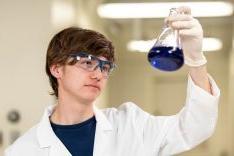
(78, 138)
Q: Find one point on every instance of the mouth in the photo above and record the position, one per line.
(93, 86)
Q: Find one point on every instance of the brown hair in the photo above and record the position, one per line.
(72, 40)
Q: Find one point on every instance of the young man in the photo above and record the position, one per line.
(78, 64)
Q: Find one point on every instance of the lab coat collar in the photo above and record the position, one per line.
(47, 137)
(102, 120)
(45, 134)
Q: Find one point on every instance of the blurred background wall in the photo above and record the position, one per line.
(26, 28)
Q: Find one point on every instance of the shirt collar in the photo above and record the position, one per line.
(46, 135)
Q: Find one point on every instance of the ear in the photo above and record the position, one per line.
(56, 70)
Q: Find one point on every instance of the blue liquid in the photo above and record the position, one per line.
(166, 58)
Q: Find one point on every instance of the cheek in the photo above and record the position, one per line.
(103, 83)
(73, 78)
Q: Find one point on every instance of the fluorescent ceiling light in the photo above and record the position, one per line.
(160, 10)
(140, 45)
(209, 44)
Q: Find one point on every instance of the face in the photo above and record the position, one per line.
(76, 82)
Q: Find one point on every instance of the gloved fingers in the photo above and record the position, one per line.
(178, 25)
(178, 17)
(186, 32)
(183, 14)
(184, 9)
(189, 32)
(193, 24)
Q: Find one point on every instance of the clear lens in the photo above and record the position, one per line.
(87, 64)
(91, 63)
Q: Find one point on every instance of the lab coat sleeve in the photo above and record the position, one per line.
(191, 126)
(7, 152)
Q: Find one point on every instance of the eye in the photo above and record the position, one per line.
(86, 62)
(106, 68)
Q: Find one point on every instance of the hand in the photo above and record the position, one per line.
(191, 35)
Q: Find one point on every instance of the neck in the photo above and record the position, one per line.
(68, 112)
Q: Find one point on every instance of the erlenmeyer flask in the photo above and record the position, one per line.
(167, 54)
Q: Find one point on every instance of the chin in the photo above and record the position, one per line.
(91, 97)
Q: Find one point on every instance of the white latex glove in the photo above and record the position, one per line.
(191, 35)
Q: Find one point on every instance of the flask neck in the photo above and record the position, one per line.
(173, 12)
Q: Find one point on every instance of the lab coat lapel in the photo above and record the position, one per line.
(103, 134)
(47, 139)
(58, 150)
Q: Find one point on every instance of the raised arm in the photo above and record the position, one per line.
(191, 35)
(196, 121)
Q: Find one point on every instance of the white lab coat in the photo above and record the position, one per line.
(129, 131)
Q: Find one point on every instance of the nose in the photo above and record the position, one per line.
(96, 74)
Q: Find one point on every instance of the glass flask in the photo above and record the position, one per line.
(167, 54)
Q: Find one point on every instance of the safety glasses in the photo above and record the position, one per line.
(90, 63)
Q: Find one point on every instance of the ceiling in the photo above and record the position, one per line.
(123, 30)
